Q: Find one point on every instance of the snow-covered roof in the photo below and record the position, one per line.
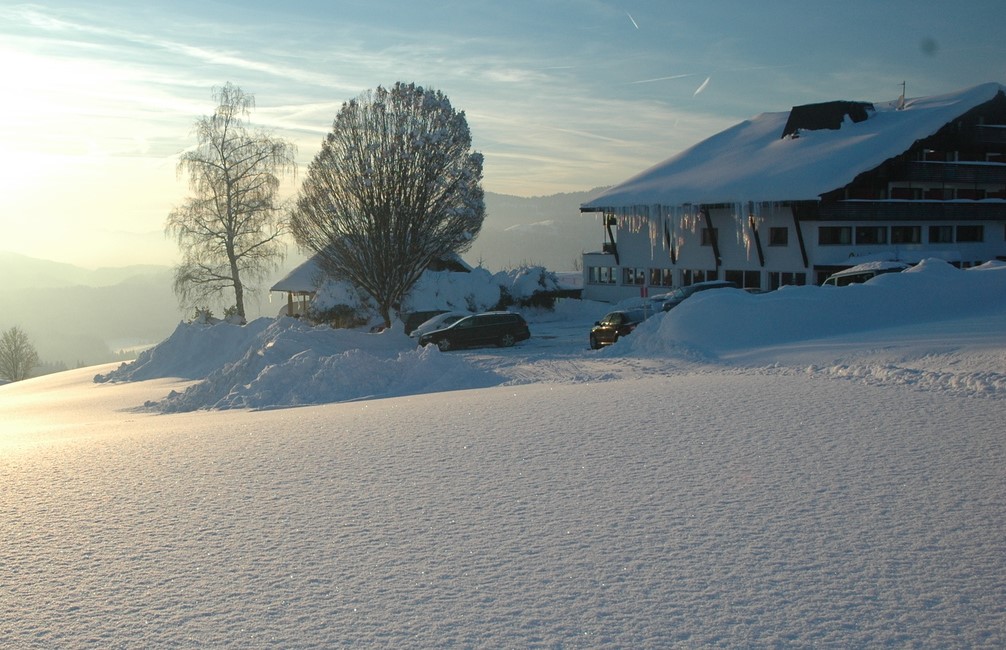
(752, 162)
(307, 277)
(302, 279)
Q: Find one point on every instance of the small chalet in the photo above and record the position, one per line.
(301, 284)
(792, 197)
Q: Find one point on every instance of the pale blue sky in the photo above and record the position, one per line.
(98, 98)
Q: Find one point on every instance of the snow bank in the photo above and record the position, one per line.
(285, 362)
(193, 351)
(478, 290)
(714, 322)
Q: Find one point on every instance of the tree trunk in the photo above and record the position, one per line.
(239, 291)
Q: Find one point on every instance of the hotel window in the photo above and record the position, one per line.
(906, 234)
(633, 276)
(941, 234)
(778, 236)
(906, 193)
(744, 279)
(778, 279)
(871, 235)
(660, 277)
(601, 275)
(689, 276)
(834, 235)
(970, 234)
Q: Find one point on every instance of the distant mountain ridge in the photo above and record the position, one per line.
(548, 231)
(23, 272)
(83, 316)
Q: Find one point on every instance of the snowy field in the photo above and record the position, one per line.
(812, 466)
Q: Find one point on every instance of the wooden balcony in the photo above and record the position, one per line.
(938, 173)
(989, 210)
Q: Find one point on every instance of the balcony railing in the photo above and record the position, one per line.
(991, 134)
(912, 211)
(929, 173)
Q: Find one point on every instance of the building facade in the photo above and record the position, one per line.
(788, 199)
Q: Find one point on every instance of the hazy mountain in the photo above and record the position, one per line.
(81, 316)
(543, 230)
(23, 272)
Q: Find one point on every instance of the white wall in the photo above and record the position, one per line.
(641, 244)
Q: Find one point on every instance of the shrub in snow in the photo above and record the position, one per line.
(339, 304)
(203, 316)
(475, 291)
(527, 286)
(232, 316)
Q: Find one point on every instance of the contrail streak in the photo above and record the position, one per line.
(673, 76)
(634, 24)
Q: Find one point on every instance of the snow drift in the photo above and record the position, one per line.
(715, 322)
(285, 362)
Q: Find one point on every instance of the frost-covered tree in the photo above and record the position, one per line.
(230, 230)
(395, 185)
(17, 355)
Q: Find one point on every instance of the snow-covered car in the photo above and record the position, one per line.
(502, 328)
(863, 272)
(676, 297)
(614, 325)
(439, 321)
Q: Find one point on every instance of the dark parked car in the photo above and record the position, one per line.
(438, 322)
(676, 297)
(615, 324)
(500, 328)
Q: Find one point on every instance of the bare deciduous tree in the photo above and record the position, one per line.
(17, 355)
(394, 186)
(230, 231)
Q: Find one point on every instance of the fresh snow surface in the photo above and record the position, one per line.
(812, 466)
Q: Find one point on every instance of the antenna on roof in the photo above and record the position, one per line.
(901, 100)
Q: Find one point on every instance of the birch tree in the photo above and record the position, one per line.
(230, 230)
(395, 185)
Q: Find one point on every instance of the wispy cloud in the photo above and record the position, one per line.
(702, 86)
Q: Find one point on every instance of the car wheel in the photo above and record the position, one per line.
(444, 345)
(507, 340)
(594, 345)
